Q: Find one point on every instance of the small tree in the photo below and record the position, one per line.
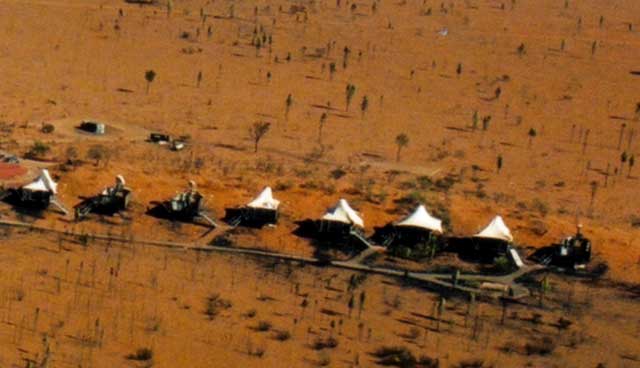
(350, 92)
(632, 161)
(364, 105)
(288, 103)
(474, 120)
(149, 76)
(345, 56)
(532, 134)
(402, 140)
(623, 161)
(323, 119)
(38, 150)
(499, 163)
(459, 69)
(332, 70)
(199, 79)
(98, 153)
(257, 131)
(594, 190)
(621, 137)
(363, 297)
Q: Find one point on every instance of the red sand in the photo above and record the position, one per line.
(11, 171)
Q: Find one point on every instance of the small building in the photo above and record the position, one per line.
(186, 206)
(38, 194)
(340, 220)
(572, 252)
(418, 227)
(93, 127)
(416, 235)
(262, 210)
(110, 201)
(493, 241)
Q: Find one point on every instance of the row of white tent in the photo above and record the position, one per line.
(420, 218)
(341, 212)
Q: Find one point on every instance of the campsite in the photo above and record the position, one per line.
(319, 183)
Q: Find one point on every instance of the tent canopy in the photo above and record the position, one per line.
(265, 200)
(43, 183)
(496, 230)
(422, 219)
(342, 212)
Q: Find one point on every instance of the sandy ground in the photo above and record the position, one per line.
(64, 61)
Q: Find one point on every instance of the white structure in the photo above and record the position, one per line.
(496, 230)
(265, 200)
(43, 183)
(421, 218)
(342, 212)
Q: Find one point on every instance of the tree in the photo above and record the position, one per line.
(149, 76)
(621, 137)
(459, 69)
(332, 70)
(98, 153)
(402, 140)
(521, 50)
(363, 297)
(169, 7)
(350, 91)
(257, 131)
(288, 103)
(623, 160)
(594, 190)
(532, 134)
(199, 79)
(323, 119)
(345, 56)
(474, 120)
(632, 161)
(364, 105)
(499, 163)
(38, 150)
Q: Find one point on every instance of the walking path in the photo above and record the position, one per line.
(355, 263)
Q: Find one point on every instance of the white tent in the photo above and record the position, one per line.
(44, 183)
(422, 219)
(342, 212)
(265, 200)
(496, 230)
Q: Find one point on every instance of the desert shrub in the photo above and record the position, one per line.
(250, 313)
(473, 363)
(563, 323)
(337, 173)
(263, 326)
(222, 240)
(543, 346)
(283, 185)
(325, 343)
(501, 265)
(282, 335)
(215, 305)
(538, 205)
(324, 360)
(37, 150)
(399, 356)
(47, 128)
(142, 354)
(424, 182)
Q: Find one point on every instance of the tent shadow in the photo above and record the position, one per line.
(159, 211)
(238, 216)
(33, 212)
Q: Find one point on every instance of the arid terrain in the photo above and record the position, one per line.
(524, 108)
